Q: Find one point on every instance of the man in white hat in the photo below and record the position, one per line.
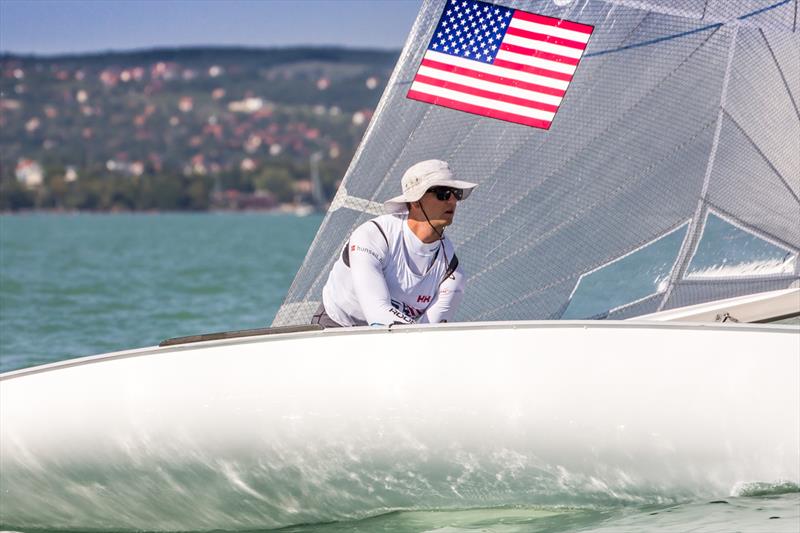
(399, 268)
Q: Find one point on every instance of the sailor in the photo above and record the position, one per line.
(399, 268)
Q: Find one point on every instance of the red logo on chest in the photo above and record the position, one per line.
(423, 298)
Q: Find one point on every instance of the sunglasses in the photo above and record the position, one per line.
(443, 193)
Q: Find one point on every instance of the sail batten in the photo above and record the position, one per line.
(676, 109)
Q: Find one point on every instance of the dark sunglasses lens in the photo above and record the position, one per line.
(443, 193)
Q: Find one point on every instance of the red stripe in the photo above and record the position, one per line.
(532, 70)
(550, 21)
(545, 38)
(491, 77)
(491, 95)
(478, 110)
(532, 52)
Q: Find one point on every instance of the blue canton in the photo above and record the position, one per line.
(471, 29)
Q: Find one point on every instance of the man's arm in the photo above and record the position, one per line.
(447, 299)
(368, 252)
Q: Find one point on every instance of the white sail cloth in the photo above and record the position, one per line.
(670, 174)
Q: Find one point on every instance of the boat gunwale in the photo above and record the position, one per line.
(267, 336)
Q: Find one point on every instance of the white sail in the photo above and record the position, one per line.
(674, 154)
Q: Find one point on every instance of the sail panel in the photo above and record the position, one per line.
(677, 107)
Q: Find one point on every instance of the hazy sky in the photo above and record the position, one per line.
(70, 26)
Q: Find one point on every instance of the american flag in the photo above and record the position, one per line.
(499, 62)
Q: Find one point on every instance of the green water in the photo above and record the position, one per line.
(73, 285)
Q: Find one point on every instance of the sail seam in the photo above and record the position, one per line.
(620, 119)
(763, 156)
(565, 279)
(626, 184)
(689, 32)
(689, 247)
(780, 71)
(632, 251)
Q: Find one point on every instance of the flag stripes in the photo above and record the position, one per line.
(501, 63)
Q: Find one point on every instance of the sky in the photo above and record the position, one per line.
(51, 27)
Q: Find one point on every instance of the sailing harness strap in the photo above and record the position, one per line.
(451, 266)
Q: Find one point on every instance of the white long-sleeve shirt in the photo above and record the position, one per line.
(398, 278)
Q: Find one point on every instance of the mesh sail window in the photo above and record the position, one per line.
(728, 251)
(677, 109)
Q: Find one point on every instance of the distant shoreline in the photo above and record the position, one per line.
(284, 209)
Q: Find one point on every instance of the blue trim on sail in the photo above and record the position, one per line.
(685, 33)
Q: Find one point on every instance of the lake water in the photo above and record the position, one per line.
(74, 285)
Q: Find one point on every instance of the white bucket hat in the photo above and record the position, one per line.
(421, 177)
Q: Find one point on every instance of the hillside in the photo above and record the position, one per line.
(182, 128)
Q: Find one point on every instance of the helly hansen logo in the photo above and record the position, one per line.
(423, 298)
(352, 247)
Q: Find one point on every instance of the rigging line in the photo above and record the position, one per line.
(763, 156)
(685, 33)
(780, 71)
(689, 246)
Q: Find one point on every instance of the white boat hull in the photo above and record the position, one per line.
(324, 425)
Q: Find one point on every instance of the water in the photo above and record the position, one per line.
(73, 285)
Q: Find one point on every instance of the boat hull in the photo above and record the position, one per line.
(327, 425)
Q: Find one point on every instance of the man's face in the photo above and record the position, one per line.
(439, 204)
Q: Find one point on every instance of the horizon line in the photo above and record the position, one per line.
(231, 47)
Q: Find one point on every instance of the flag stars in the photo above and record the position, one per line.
(470, 29)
